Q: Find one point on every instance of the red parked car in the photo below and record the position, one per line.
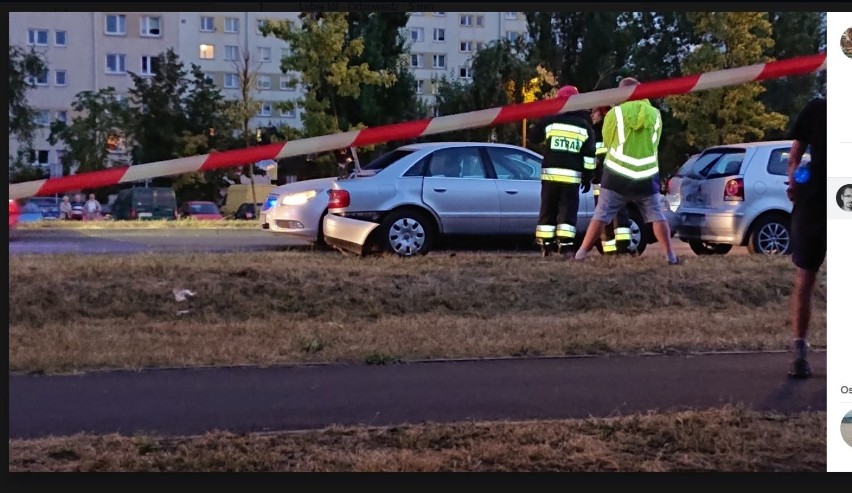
(201, 210)
(14, 213)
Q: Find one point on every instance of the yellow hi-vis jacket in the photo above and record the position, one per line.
(631, 135)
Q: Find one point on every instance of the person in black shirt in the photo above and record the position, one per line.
(808, 222)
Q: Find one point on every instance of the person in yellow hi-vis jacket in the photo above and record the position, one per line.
(568, 165)
(631, 135)
(616, 238)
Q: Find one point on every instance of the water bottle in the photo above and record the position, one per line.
(802, 173)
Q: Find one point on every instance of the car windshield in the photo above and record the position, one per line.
(31, 208)
(385, 160)
(203, 208)
(716, 163)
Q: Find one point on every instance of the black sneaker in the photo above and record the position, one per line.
(800, 369)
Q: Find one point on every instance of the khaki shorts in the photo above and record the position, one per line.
(609, 203)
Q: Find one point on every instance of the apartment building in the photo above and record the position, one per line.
(85, 51)
(443, 43)
(220, 42)
(94, 50)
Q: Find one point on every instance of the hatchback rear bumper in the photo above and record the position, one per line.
(718, 227)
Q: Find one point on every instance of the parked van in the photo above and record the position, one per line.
(239, 194)
(145, 203)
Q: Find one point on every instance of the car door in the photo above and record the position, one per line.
(518, 183)
(457, 187)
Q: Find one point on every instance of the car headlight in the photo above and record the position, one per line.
(300, 198)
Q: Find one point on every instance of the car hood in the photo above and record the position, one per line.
(301, 186)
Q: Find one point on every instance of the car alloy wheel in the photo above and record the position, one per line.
(773, 239)
(406, 236)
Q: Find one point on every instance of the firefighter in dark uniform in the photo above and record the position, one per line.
(616, 236)
(569, 163)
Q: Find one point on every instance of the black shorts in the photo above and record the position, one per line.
(808, 235)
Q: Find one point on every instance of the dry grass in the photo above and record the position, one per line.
(728, 439)
(75, 312)
(152, 224)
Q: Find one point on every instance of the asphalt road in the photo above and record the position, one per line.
(244, 399)
(120, 241)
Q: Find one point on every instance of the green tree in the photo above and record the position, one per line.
(95, 138)
(24, 66)
(795, 34)
(324, 59)
(732, 114)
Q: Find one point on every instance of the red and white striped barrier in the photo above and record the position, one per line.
(429, 126)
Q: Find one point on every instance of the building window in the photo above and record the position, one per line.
(116, 24)
(439, 35)
(42, 118)
(59, 38)
(480, 20)
(479, 46)
(464, 47)
(284, 85)
(42, 158)
(417, 60)
(288, 113)
(511, 15)
(149, 26)
(264, 53)
(260, 24)
(149, 65)
(439, 61)
(37, 37)
(62, 116)
(206, 52)
(466, 20)
(512, 35)
(42, 79)
(416, 34)
(264, 82)
(465, 73)
(115, 63)
(435, 86)
(61, 78)
(232, 25)
(265, 109)
(231, 81)
(439, 14)
(420, 87)
(208, 24)
(232, 53)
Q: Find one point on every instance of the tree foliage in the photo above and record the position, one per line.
(24, 66)
(732, 114)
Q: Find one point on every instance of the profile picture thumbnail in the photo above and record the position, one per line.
(844, 198)
(846, 428)
(846, 42)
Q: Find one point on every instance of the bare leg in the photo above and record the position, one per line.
(664, 236)
(803, 290)
(595, 229)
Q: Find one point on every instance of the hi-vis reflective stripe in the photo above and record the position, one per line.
(565, 231)
(561, 175)
(600, 150)
(565, 130)
(545, 231)
(596, 189)
(634, 168)
(589, 162)
(609, 246)
(622, 234)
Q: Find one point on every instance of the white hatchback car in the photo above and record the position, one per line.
(735, 195)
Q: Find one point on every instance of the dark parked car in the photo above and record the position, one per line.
(49, 206)
(247, 211)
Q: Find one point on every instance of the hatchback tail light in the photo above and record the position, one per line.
(338, 199)
(734, 190)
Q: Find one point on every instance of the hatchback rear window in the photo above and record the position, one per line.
(717, 163)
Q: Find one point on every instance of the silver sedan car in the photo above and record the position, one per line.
(296, 209)
(404, 200)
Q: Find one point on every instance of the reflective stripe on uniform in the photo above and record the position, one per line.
(596, 189)
(565, 231)
(631, 167)
(623, 234)
(609, 246)
(561, 175)
(545, 231)
(565, 130)
(600, 150)
(588, 162)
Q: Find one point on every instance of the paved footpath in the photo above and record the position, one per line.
(243, 399)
